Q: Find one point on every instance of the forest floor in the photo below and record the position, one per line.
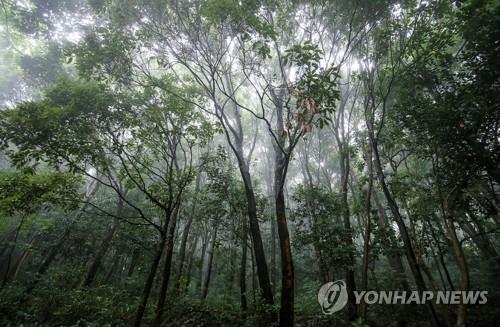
(115, 307)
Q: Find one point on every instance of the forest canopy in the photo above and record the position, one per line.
(249, 163)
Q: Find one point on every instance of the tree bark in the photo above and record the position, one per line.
(480, 238)
(260, 258)
(167, 266)
(114, 265)
(133, 262)
(410, 254)
(236, 145)
(450, 203)
(22, 260)
(149, 282)
(350, 281)
(189, 267)
(243, 265)
(103, 248)
(287, 269)
(11, 252)
(366, 236)
(394, 259)
(185, 235)
(210, 257)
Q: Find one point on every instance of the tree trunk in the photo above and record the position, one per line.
(243, 265)
(394, 260)
(410, 254)
(350, 281)
(480, 238)
(103, 248)
(210, 257)
(260, 258)
(11, 252)
(22, 260)
(133, 262)
(237, 147)
(7, 238)
(287, 270)
(189, 267)
(270, 192)
(274, 272)
(441, 256)
(324, 274)
(366, 236)
(185, 234)
(114, 265)
(459, 254)
(149, 282)
(167, 266)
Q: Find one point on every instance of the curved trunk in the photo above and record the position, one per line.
(410, 254)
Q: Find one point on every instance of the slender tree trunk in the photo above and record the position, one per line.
(441, 256)
(185, 235)
(324, 274)
(133, 262)
(103, 248)
(204, 245)
(480, 238)
(11, 252)
(366, 236)
(394, 259)
(350, 281)
(410, 254)
(270, 192)
(254, 280)
(189, 267)
(243, 265)
(46, 262)
(22, 260)
(459, 255)
(167, 266)
(274, 272)
(7, 238)
(287, 270)
(149, 282)
(260, 257)
(323, 271)
(114, 265)
(210, 257)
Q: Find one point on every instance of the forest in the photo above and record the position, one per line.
(250, 163)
